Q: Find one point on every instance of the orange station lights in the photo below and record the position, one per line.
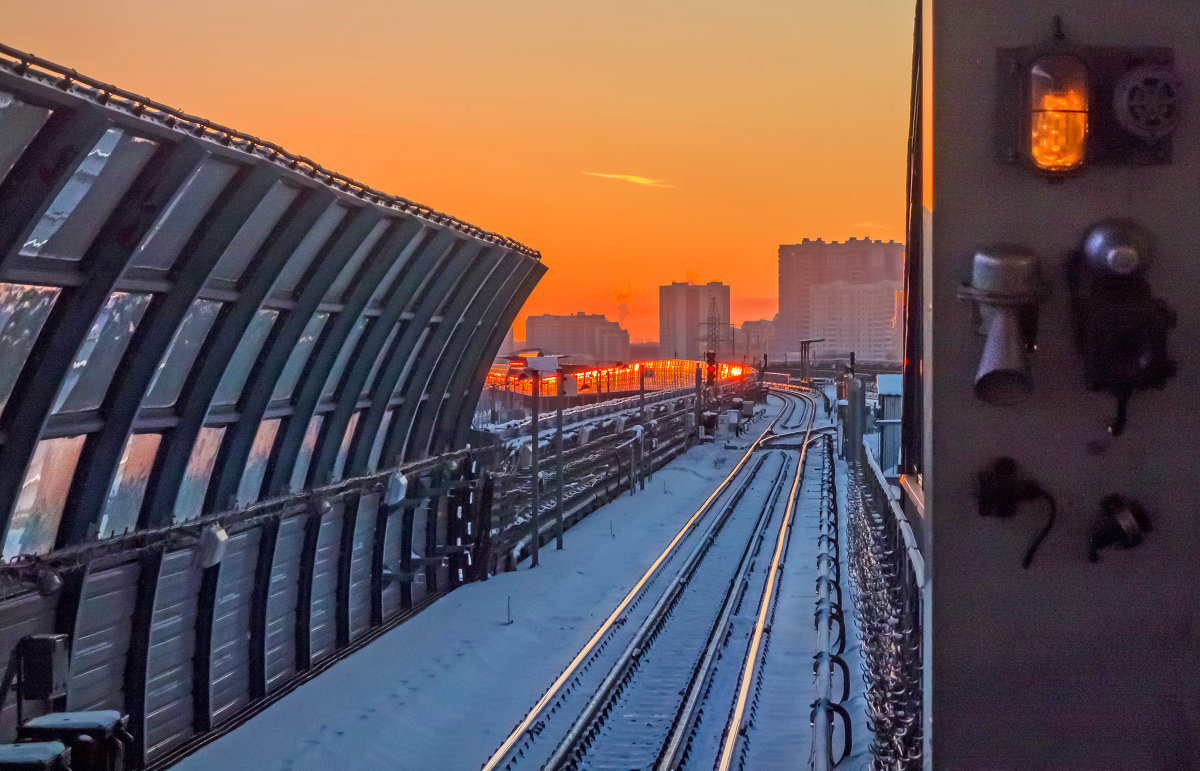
(666, 373)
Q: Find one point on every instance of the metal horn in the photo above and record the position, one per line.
(1006, 287)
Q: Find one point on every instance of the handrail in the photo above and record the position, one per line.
(35, 68)
(173, 535)
(906, 531)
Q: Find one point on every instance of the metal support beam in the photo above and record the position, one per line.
(535, 492)
(222, 343)
(138, 658)
(239, 438)
(71, 320)
(383, 514)
(405, 359)
(432, 368)
(418, 292)
(202, 655)
(341, 613)
(304, 589)
(474, 384)
(470, 354)
(397, 242)
(258, 608)
(46, 165)
(558, 466)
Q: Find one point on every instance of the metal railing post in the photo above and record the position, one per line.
(558, 442)
(535, 497)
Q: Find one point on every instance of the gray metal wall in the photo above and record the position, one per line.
(1068, 664)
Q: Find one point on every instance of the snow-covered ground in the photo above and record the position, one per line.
(443, 689)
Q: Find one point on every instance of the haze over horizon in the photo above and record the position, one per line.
(634, 143)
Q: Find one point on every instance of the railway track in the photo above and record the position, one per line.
(666, 680)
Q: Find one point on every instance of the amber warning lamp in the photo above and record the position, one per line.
(1062, 108)
(1058, 113)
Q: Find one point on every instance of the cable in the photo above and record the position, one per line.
(1033, 547)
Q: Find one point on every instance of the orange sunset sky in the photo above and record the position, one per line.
(633, 142)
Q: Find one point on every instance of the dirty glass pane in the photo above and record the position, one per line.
(39, 508)
(377, 445)
(161, 246)
(343, 358)
(379, 357)
(298, 357)
(304, 457)
(83, 204)
(254, 232)
(23, 310)
(339, 466)
(125, 497)
(19, 123)
(199, 468)
(313, 242)
(173, 370)
(96, 361)
(256, 464)
(350, 269)
(238, 369)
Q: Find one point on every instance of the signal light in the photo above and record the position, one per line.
(711, 358)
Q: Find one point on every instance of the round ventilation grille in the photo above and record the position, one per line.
(1148, 102)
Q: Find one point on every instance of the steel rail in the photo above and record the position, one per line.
(657, 618)
(567, 754)
(670, 757)
(734, 727)
(531, 717)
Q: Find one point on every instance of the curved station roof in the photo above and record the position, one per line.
(192, 319)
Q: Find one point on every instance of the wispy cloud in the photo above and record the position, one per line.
(632, 178)
(872, 226)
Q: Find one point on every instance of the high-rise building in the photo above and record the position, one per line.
(754, 338)
(849, 293)
(582, 334)
(683, 315)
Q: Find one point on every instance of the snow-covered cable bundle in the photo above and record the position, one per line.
(888, 599)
